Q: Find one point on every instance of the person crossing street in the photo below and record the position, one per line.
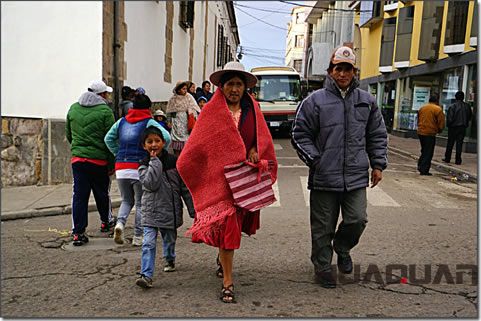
(338, 133)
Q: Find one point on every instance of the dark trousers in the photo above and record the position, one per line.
(455, 134)
(325, 208)
(89, 177)
(427, 152)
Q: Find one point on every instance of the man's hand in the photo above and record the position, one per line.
(376, 177)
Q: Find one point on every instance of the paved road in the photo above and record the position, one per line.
(413, 220)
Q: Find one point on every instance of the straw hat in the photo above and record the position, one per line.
(235, 66)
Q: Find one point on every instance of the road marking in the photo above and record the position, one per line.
(377, 197)
(278, 147)
(275, 187)
(430, 197)
(305, 191)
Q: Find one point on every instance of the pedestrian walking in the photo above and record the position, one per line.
(191, 89)
(201, 101)
(88, 120)
(230, 130)
(179, 106)
(163, 191)
(123, 141)
(128, 95)
(339, 132)
(161, 118)
(205, 91)
(430, 123)
(139, 91)
(457, 120)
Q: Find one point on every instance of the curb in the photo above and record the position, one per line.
(440, 166)
(49, 211)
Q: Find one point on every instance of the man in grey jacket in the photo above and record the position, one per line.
(339, 132)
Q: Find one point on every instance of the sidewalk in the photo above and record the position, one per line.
(411, 147)
(46, 200)
(33, 201)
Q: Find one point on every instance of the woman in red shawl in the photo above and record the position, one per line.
(231, 129)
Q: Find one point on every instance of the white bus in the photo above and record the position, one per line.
(278, 92)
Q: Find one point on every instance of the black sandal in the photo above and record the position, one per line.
(227, 294)
(219, 272)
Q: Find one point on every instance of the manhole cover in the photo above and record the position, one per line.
(94, 244)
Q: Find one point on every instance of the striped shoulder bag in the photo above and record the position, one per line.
(251, 184)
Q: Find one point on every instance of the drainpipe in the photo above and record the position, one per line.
(116, 46)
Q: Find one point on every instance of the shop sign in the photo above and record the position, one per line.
(420, 96)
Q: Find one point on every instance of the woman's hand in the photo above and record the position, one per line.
(253, 157)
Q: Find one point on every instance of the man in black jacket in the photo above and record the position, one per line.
(457, 120)
(339, 132)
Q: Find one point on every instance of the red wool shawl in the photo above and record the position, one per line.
(214, 143)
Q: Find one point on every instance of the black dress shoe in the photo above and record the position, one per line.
(426, 174)
(344, 264)
(326, 279)
(457, 163)
(446, 161)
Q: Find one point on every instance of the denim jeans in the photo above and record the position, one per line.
(149, 247)
(131, 193)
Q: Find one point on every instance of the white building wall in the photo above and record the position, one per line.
(50, 51)
(145, 47)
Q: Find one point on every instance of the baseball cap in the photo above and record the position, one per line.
(343, 54)
(98, 87)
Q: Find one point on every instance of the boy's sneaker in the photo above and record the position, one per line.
(105, 227)
(80, 239)
(169, 266)
(137, 241)
(144, 282)
(119, 233)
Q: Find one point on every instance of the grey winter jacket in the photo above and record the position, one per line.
(339, 138)
(162, 191)
(459, 114)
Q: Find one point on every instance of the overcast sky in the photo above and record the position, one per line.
(262, 44)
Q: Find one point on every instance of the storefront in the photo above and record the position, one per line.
(414, 93)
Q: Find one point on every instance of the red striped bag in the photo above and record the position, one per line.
(251, 184)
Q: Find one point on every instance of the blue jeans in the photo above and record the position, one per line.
(131, 193)
(149, 247)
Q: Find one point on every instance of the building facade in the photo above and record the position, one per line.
(411, 49)
(52, 50)
(295, 40)
(329, 24)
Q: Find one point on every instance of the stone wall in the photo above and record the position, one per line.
(22, 148)
(27, 156)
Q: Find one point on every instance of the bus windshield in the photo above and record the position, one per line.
(277, 88)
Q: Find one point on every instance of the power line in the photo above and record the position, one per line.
(261, 9)
(261, 20)
(264, 49)
(264, 56)
(329, 10)
(334, 9)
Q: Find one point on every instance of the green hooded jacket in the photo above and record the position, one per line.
(88, 121)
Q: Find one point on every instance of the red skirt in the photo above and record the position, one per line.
(228, 236)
